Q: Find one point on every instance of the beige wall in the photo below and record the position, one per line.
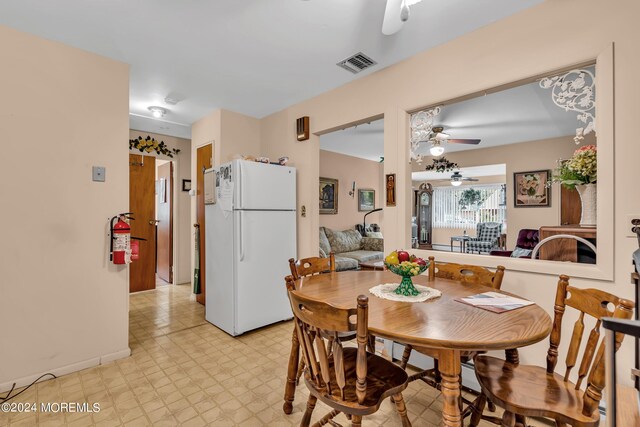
(182, 227)
(347, 169)
(63, 305)
(533, 42)
(240, 135)
(522, 157)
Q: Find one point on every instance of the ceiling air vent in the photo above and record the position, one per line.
(357, 63)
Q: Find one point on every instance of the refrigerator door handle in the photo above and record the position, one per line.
(241, 238)
(239, 203)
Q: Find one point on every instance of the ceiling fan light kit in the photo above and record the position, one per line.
(423, 130)
(436, 149)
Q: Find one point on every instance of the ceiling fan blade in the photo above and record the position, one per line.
(463, 141)
(392, 23)
(470, 179)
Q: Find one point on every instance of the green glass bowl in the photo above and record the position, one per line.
(404, 272)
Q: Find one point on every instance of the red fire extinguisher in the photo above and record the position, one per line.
(120, 240)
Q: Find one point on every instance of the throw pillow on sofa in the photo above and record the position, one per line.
(343, 241)
(520, 252)
(375, 234)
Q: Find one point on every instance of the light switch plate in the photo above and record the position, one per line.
(628, 226)
(99, 173)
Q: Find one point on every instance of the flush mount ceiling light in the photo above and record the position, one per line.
(158, 112)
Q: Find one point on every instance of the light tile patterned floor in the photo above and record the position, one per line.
(184, 371)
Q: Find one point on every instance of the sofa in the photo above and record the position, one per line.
(350, 248)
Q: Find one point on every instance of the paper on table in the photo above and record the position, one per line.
(495, 299)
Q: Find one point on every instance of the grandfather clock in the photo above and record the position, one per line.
(424, 213)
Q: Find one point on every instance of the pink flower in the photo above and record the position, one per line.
(586, 148)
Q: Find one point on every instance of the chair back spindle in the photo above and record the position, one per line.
(596, 304)
(318, 325)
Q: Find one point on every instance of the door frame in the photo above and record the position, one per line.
(173, 216)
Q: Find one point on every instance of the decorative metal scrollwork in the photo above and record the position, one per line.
(575, 91)
(421, 130)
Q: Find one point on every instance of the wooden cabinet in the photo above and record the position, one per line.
(566, 249)
(424, 214)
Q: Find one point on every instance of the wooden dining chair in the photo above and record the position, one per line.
(533, 391)
(313, 265)
(302, 268)
(350, 380)
(471, 274)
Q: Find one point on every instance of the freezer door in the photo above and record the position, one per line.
(263, 186)
(265, 242)
(220, 279)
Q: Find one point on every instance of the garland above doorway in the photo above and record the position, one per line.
(150, 144)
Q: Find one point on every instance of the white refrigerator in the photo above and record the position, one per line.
(250, 234)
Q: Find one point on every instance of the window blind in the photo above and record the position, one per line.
(449, 212)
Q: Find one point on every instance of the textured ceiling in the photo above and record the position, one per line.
(254, 57)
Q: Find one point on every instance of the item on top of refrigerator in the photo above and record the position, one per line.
(262, 159)
(282, 161)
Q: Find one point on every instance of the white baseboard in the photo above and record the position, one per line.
(68, 369)
(115, 356)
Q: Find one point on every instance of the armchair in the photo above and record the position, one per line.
(487, 236)
(527, 240)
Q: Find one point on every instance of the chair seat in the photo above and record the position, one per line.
(528, 390)
(384, 379)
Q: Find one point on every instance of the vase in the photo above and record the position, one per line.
(588, 200)
(406, 287)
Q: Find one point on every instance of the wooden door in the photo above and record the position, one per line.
(142, 174)
(164, 215)
(204, 161)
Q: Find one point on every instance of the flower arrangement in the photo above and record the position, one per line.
(581, 168)
(528, 184)
(151, 144)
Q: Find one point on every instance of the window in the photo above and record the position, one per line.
(465, 206)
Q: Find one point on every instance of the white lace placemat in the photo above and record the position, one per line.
(386, 291)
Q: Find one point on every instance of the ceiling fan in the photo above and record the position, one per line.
(437, 136)
(437, 133)
(457, 178)
(396, 14)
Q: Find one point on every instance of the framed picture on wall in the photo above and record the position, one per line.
(531, 189)
(366, 200)
(390, 185)
(328, 196)
(186, 184)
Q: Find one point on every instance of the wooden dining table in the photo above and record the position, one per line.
(442, 324)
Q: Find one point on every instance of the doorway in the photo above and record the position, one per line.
(164, 221)
(151, 200)
(351, 167)
(204, 160)
(142, 172)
